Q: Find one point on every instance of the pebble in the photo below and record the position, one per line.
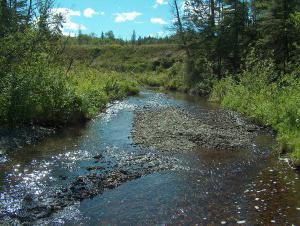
(241, 222)
(223, 222)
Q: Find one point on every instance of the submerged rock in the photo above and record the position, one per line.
(98, 157)
(91, 168)
(87, 186)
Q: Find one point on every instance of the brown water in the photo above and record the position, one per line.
(202, 187)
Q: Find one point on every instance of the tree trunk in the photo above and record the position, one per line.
(180, 30)
(212, 17)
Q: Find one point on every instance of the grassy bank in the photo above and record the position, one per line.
(47, 95)
(41, 87)
(259, 94)
(160, 65)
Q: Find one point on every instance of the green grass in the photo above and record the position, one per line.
(95, 89)
(272, 103)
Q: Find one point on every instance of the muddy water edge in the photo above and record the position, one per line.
(97, 174)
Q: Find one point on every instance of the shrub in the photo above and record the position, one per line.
(36, 89)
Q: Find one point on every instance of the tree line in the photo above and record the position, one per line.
(110, 38)
(218, 35)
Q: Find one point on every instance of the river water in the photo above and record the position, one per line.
(202, 187)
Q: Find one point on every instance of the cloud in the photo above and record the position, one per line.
(123, 17)
(68, 25)
(89, 12)
(158, 21)
(160, 2)
(65, 12)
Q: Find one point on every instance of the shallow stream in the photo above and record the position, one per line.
(198, 187)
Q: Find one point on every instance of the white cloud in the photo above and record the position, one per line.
(160, 2)
(68, 25)
(65, 12)
(158, 21)
(89, 12)
(123, 17)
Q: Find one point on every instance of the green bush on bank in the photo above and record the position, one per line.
(95, 89)
(259, 94)
(32, 87)
(50, 97)
(35, 88)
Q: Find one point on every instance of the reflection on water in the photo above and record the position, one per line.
(203, 186)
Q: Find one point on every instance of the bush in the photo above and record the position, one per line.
(34, 88)
(95, 89)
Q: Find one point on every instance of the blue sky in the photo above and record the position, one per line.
(146, 17)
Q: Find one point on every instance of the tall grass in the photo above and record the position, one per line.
(263, 95)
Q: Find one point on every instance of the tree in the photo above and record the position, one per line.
(140, 40)
(133, 37)
(4, 18)
(110, 35)
(276, 30)
(80, 36)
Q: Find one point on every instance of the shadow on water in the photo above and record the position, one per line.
(203, 186)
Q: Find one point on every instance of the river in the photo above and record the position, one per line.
(197, 187)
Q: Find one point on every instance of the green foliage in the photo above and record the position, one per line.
(277, 104)
(34, 88)
(95, 89)
(152, 79)
(133, 59)
(218, 35)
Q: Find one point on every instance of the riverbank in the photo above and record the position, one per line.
(272, 103)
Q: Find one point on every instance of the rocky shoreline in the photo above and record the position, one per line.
(175, 129)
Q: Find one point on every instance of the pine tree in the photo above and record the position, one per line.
(276, 30)
(133, 37)
(4, 18)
